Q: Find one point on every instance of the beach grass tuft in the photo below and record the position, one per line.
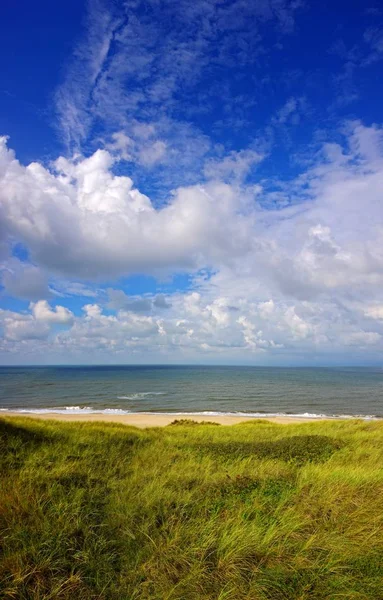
(255, 511)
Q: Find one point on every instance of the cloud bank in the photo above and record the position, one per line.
(276, 274)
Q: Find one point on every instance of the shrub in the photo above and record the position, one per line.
(190, 423)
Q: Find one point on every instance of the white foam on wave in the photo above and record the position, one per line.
(65, 410)
(140, 395)
(206, 413)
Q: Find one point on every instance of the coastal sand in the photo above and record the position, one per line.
(147, 420)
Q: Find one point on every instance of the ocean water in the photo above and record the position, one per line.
(254, 391)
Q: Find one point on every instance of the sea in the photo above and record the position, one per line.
(347, 392)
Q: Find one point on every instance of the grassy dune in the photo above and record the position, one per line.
(254, 511)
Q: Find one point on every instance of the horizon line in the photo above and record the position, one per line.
(278, 366)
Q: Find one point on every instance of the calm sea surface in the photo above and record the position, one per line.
(207, 390)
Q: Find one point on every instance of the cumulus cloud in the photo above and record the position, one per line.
(41, 311)
(81, 220)
(21, 328)
(24, 281)
(235, 328)
(118, 300)
(34, 325)
(279, 279)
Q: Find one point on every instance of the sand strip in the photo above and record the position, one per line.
(148, 420)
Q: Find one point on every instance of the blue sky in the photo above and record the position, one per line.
(191, 182)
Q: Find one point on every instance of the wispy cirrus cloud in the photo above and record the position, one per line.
(149, 68)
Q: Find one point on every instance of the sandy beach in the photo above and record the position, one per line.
(148, 420)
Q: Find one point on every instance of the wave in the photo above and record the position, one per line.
(206, 413)
(140, 395)
(65, 410)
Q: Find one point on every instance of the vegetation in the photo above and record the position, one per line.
(190, 423)
(256, 511)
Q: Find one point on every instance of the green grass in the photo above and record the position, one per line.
(256, 511)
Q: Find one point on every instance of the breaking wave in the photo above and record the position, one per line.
(208, 413)
(139, 395)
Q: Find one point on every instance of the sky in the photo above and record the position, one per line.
(191, 182)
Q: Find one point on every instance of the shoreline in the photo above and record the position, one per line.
(156, 420)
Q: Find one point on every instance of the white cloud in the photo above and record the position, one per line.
(234, 166)
(374, 38)
(121, 145)
(153, 153)
(362, 338)
(375, 311)
(92, 311)
(24, 281)
(23, 328)
(43, 312)
(143, 150)
(20, 328)
(240, 329)
(131, 76)
(85, 222)
(118, 300)
(73, 98)
(74, 288)
(290, 111)
(275, 283)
